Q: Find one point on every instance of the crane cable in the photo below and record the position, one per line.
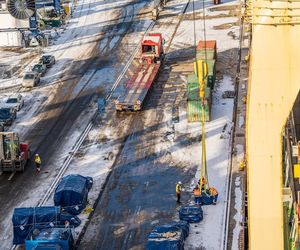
(204, 173)
(203, 180)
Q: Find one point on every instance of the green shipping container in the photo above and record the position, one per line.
(211, 64)
(193, 87)
(193, 92)
(211, 81)
(211, 76)
(194, 111)
(192, 79)
(210, 54)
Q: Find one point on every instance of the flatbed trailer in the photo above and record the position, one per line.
(138, 86)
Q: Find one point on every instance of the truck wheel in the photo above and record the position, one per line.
(136, 107)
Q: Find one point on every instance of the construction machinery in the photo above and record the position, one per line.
(138, 86)
(13, 154)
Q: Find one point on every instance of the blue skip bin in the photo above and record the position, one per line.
(51, 238)
(26, 219)
(166, 237)
(191, 213)
(72, 193)
(207, 199)
(183, 225)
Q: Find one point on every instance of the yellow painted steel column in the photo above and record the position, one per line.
(274, 82)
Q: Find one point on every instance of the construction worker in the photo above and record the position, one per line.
(37, 161)
(197, 195)
(67, 224)
(214, 194)
(202, 183)
(242, 165)
(178, 191)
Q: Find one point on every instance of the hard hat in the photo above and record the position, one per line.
(179, 182)
(36, 154)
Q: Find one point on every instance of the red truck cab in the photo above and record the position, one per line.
(152, 48)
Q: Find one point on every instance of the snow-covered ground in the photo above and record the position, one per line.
(208, 234)
(93, 25)
(96, 158)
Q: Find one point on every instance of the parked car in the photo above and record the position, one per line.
(47, 60)
(15, 101)
(7, 115)
(30, 79)
(40, 68)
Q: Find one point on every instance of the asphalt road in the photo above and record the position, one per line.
(58, 117)
(140, 192)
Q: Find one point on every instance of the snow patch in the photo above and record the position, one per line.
(238, 216)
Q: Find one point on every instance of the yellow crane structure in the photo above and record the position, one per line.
(274, 82)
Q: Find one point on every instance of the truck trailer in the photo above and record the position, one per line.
(137, 87)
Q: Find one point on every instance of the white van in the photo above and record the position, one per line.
(30, 79)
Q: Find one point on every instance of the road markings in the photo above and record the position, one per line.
(11, 176)
(86, 131)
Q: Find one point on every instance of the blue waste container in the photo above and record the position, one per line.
(191, 213)
(166, 237)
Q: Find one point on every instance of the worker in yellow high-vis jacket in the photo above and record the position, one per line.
(178, 191)
(38, 162)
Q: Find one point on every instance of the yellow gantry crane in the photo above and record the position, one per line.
(274, 82)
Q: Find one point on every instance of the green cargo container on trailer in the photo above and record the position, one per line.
(194, 111)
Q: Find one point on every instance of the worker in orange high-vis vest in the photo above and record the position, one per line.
(214, 194)
(197, 195)
(202, 183)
